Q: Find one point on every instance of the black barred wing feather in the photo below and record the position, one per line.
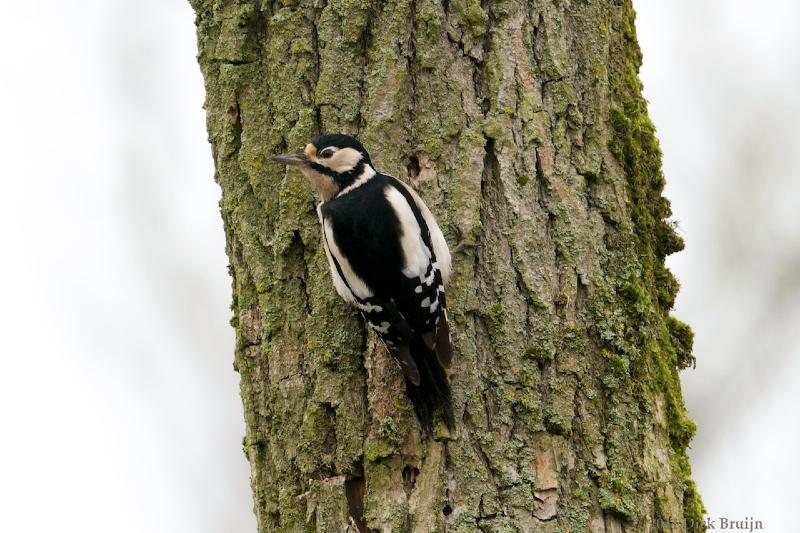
(424, 306)
(421, 293)
(394, 330)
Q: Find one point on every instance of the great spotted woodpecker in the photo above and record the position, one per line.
(388, 257)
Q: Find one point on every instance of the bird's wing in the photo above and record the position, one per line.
(381, 313)
(435, 238)
(421, 295)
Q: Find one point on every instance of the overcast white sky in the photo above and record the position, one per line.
(722, 77)
(118, 402)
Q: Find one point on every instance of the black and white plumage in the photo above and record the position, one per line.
(387, 257)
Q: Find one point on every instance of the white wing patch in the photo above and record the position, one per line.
(383, 328)
(369, 307)
(440, 248)
(429, 280)
(353, 281)
(417, 255)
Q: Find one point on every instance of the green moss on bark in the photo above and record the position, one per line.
(668, 342)
(532, 140)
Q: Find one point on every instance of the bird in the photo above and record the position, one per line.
(389, 258)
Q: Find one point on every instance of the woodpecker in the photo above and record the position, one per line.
(387, 257)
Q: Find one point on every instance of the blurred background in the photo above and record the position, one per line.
(118, 401)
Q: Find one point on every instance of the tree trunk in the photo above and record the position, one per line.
(523, 127)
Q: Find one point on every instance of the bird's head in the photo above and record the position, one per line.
(330, 162)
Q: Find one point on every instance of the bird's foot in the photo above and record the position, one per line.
(463, 245)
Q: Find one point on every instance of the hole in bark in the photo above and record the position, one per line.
(410, 474)
(413, 168)
(354, 489)
(233, 113)
(447, 510)
(581, 295)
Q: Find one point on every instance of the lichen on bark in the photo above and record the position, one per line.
(522, 125)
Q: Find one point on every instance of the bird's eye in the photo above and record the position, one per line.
(327, 152)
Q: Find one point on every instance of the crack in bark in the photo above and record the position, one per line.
(411, 54)
(470, 428)
(366, 44)
(317, 13)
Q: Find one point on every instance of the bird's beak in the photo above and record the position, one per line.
(299, 158)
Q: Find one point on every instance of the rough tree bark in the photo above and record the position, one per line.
(522, 125)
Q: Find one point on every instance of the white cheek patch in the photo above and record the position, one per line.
(417, 255)
(343, 160)
(355, 283)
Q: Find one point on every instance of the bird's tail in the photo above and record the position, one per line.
(432, 395)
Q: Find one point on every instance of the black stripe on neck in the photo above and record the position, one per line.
(342, 179)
